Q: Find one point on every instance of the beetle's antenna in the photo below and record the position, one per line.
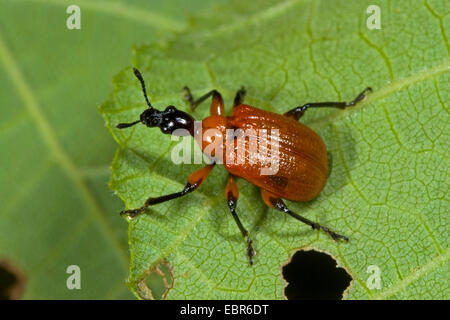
(126, 125)
(141, 80)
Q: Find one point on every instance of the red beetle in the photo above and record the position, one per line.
(302, 155)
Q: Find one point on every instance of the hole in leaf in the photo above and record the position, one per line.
(156, 283)
(12, 281)
(314, 275)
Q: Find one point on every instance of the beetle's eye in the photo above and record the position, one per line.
(171, 109)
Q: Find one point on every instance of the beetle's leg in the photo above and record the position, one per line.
(217, 106)
(297, 112)
(232, 194)
(274, 201)
(238, 99)
(194, 181)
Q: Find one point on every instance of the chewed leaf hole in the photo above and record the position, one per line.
(12, 281)
(314, 275)
(156, 283)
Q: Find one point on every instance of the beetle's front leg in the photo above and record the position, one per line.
(238, 99)
(194, 181)
(217, 105)
(298, 112)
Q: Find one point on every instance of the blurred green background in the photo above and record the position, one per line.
(57, 208)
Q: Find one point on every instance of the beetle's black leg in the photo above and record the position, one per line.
(194, 181)
(297, 112)
(231, 192)
(152, 201)
(240, 95)
(188, 96)
(277, 203)
(238, 99)
(194, 103)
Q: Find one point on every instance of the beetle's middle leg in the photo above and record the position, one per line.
(194, 181)
(297, 112)
(232, 194)
(274, 201)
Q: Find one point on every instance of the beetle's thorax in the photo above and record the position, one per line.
(211, 134)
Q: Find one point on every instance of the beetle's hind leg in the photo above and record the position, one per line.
(298, 112)
(194, 181)
(274, 201)
(231, 193)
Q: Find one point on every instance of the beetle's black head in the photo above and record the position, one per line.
(168, 120)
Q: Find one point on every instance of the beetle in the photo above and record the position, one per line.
(302, 163)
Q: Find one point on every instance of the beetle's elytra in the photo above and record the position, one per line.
(302, 155)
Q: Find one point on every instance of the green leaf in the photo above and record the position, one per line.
(57, 209)
(388, 189)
